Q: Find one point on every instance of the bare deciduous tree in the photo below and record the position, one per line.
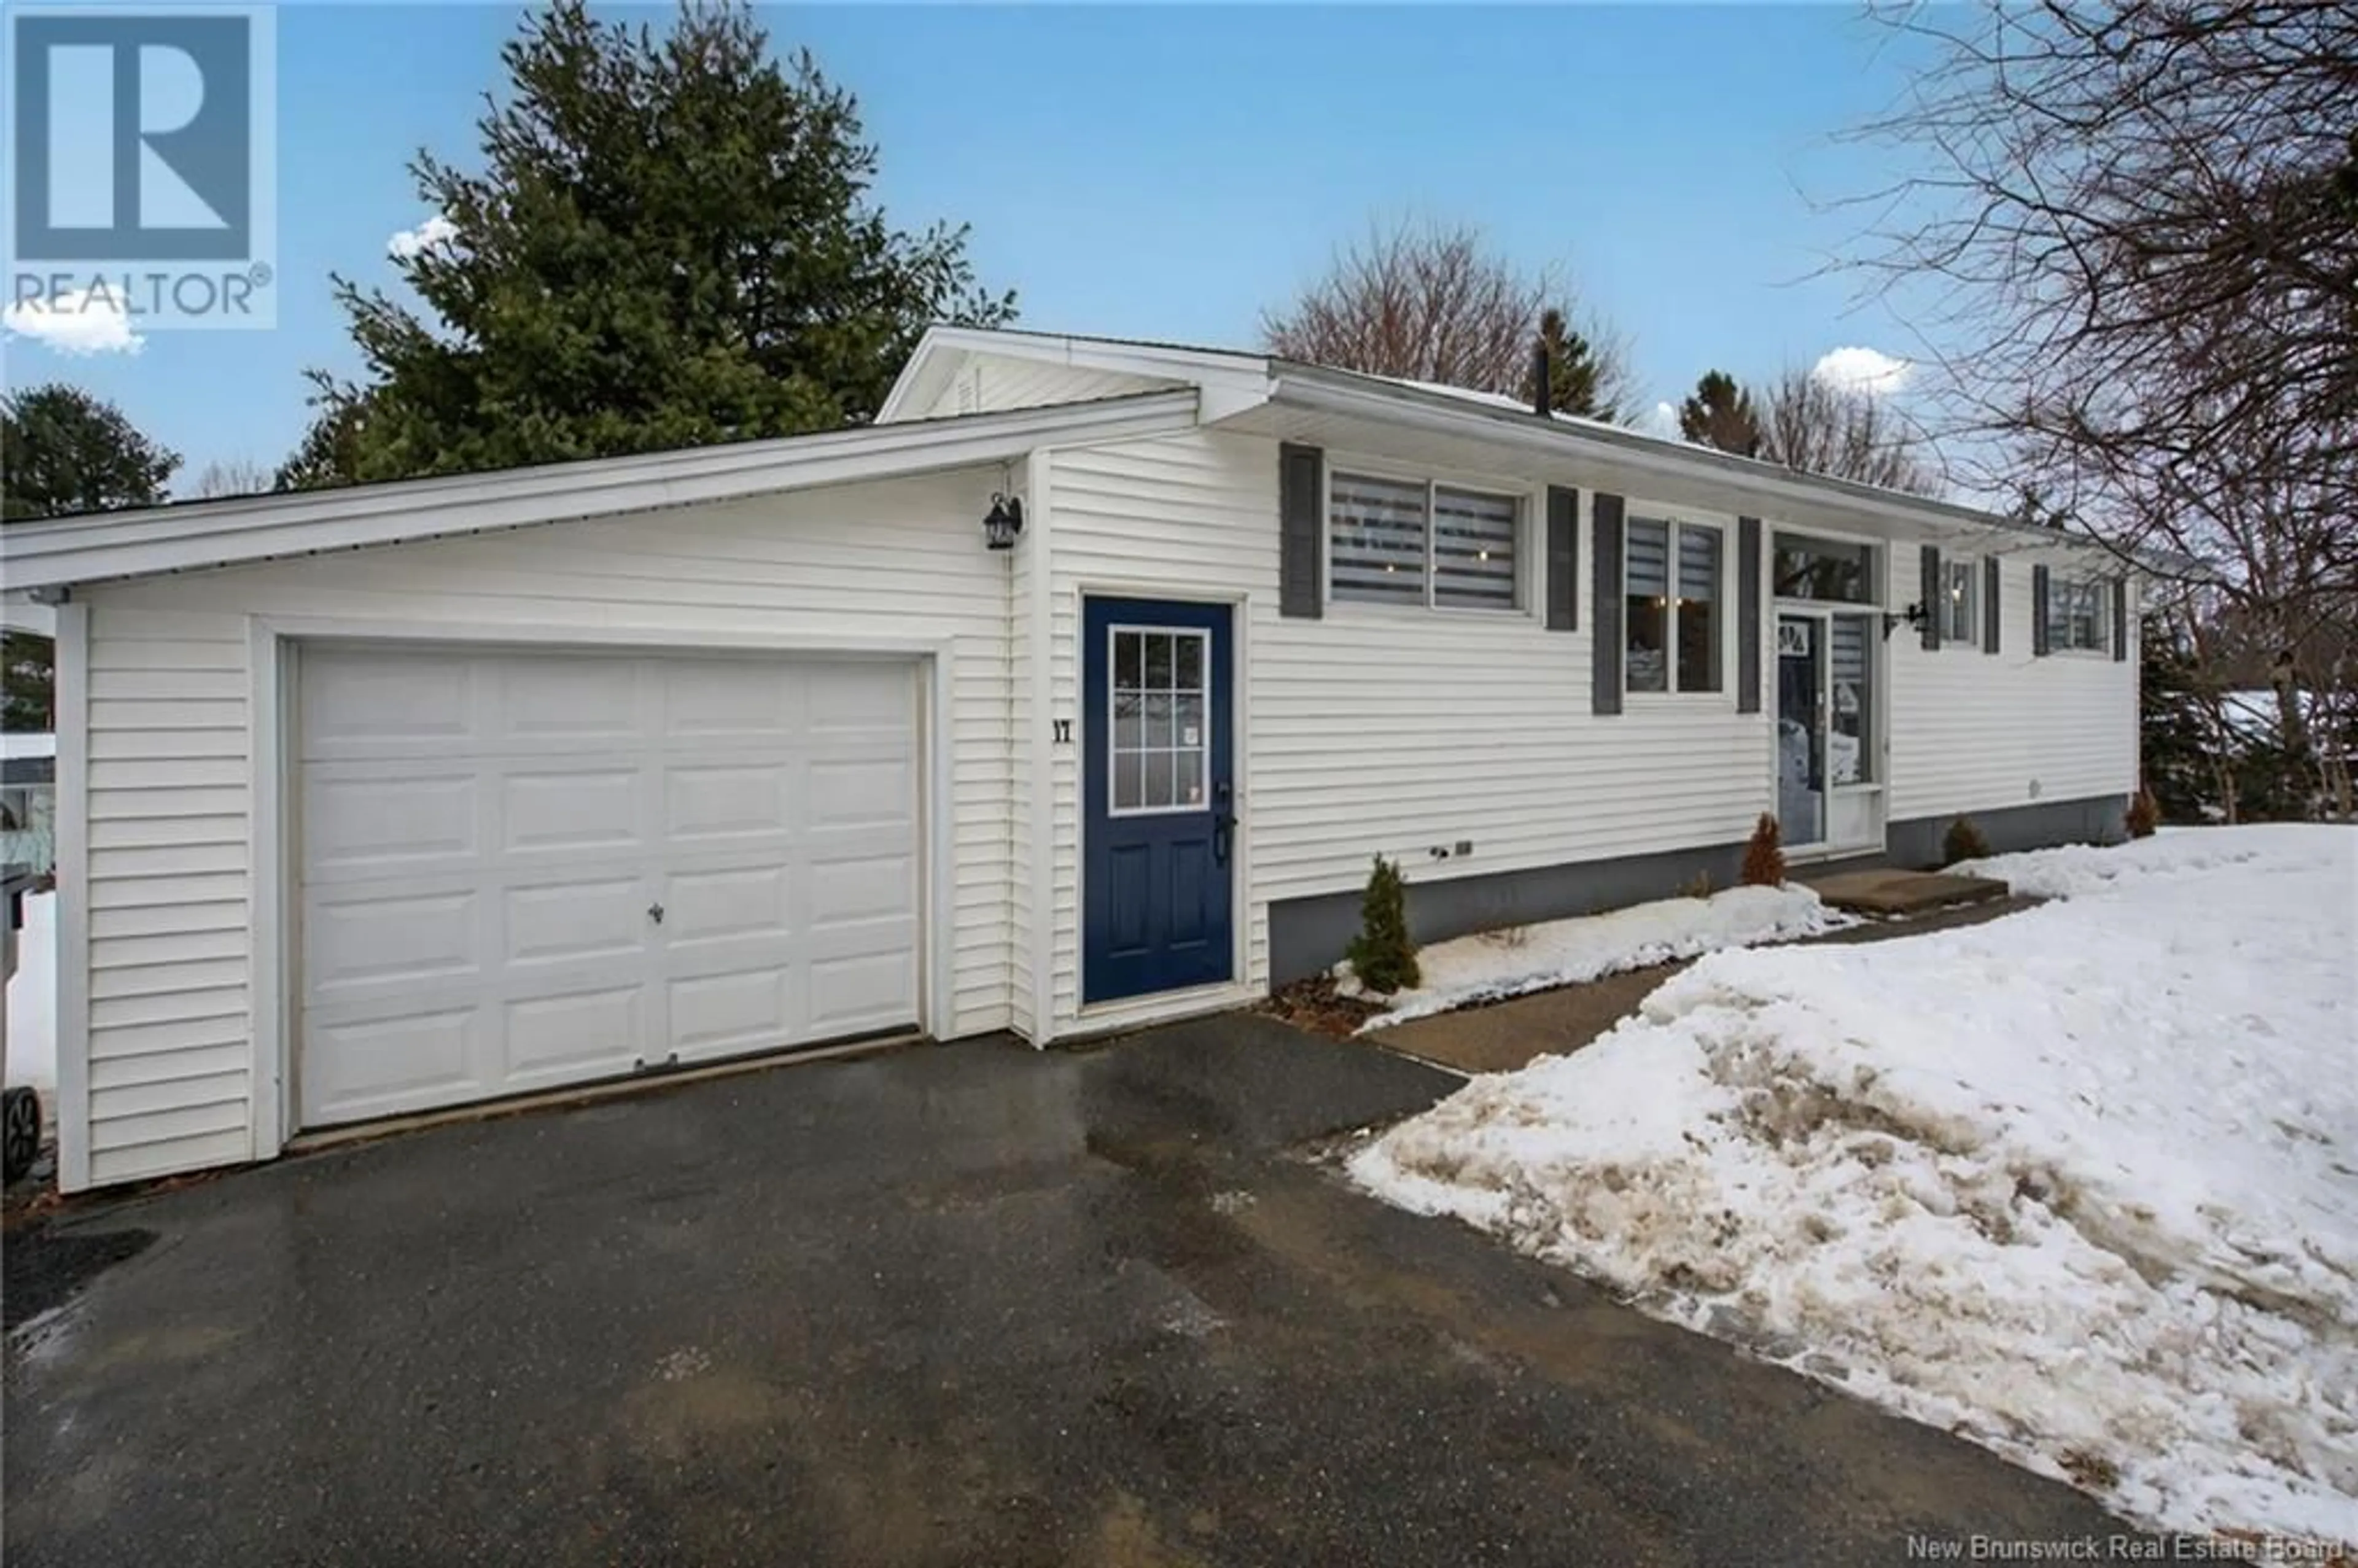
(1431, 302)
(2143, 219)
(1812, 425)
(236, 476)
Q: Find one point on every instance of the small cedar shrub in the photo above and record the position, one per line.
(2145, 813)
(1963, 842)
(1764, 856)
(1381, 954)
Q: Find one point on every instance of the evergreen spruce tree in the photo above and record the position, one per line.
(63, 450)
(1964, 841)
(1576, 373)
(671, 243)
(1721, 413)
(2174, 743)
(1764, 854)
(1381, 954)
(329, 454)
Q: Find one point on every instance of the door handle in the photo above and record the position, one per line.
(1224, 822)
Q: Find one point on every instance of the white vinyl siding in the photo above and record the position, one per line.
(167, 899)
(2004, 729)
(169, 739)
(1368, 733)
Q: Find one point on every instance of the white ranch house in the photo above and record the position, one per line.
(385, 800)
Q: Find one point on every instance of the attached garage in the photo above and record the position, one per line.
(519, 870)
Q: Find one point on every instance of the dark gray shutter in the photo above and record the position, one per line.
(1930, 596)
(1302, 532)
(2120, 619)
(1747, 615)
(1563, 559)
(2039, 612)
(1990, 621)
(1605, 669)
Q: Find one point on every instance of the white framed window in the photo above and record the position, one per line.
(1960, 606)
(1672, 594)
(1158, 734)
(2079, 615)
(1422, 543)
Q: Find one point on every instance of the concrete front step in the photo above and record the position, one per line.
(1888, 890)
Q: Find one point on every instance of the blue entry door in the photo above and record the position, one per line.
(1158, 801)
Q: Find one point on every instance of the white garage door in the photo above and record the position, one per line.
(522, 870)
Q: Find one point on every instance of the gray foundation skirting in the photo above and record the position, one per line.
(2097, 819)
(1307, 934)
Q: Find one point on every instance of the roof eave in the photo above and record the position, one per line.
(1346, 393)
(54, 553)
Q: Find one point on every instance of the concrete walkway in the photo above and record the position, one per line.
(961, 1306)
(1503, 1036)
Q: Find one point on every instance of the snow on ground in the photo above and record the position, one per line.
(2079, 1184)
(1565, 952)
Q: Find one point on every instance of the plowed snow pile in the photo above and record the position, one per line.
(2080, 1184)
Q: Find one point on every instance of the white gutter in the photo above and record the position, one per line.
(51, 553)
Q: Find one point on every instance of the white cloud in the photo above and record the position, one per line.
(77, 322)
(1870, 370)
(431, 235)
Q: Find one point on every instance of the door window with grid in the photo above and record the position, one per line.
(1162, 732)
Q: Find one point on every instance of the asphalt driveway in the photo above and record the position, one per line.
(963, 1306)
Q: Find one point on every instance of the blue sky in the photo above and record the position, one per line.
(1162, 171)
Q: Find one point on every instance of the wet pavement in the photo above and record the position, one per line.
(962, 1306)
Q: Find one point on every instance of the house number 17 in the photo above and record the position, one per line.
(1063, 732)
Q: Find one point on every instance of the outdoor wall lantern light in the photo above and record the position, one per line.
(1915, 615)
(1003, 521)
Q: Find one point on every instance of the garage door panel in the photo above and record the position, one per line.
(729, 1013)
(876, 698)
(579, 1034)
(756, 902)
(357, 704)
(860, 793)
(478, 907)
(594, 810)
(351, 1071)
(860, 888)
(365, 826)
(705, 698)
(556, 921)
(567, 697)
(870, 991)
(372, 939)
(728, 799)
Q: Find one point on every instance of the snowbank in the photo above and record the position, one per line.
(1486, 968)
(2079, 1183)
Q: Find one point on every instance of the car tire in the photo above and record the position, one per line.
(20, 1131)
